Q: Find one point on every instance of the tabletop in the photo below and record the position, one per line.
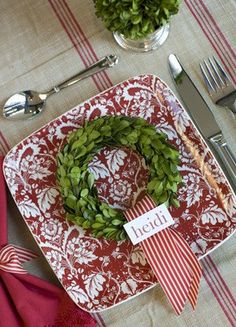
(42, 43)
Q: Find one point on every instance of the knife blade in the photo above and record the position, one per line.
(203, 119)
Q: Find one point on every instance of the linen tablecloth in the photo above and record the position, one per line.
(42, 43)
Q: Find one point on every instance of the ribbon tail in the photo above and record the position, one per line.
(193, 265)
(168, 268)
(171, 259)
(166, 261)
(12, 257)
(24, 255)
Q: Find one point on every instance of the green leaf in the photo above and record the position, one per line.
(71, 201)
(81, 151)
(94, 135)
(112, 212)
(84, 193)
(86, 224)
(121, 125)
(174, 202)
(136, 19)
(62, 171)
(90, 147)
(75, 175)
(64, 182)
(116, 222)
(135, 5)
(106, 130)
(79, 220)
(109, 230)
(79, 132)
(152, 184)
(76, 144)
(99, 219)
(60, 157)
(98, 226)
(91, 180)
(106, 213)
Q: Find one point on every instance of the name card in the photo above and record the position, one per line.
(148, 224)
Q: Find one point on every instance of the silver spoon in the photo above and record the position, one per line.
(27, 104)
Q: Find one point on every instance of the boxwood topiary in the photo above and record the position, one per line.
(135, 19)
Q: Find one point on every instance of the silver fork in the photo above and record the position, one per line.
(218, 83)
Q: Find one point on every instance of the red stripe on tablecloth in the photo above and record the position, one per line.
(212, 36)
(3, 143)
(222, 292)
(78, 44)
(215, 291)
(89, 46)
(75, 43)
(231, 52)
(230, 295)
(79, 41)
(218, 38)
(99, 319)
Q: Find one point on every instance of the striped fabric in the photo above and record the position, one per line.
(171, 259)
(219, 42)
(220, 289)
(79, 41)
(12, 257)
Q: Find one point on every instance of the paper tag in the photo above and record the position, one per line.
(148, 224)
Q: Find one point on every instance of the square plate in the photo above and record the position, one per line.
(96, 273)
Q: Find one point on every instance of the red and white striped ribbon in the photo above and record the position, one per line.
(12, 257)
(171, 259)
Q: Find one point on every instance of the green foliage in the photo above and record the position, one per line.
(135, 19)
(77, 183)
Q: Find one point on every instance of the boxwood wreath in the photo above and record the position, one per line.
(77, 184)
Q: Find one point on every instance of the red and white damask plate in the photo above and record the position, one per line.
(96, 273)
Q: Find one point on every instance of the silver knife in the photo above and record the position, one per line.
(203, 119)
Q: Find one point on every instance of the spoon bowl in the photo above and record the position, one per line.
(25, 104)
(28, 104)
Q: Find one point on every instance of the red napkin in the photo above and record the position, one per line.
(27, 300)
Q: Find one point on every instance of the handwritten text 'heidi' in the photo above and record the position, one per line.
(148, 224)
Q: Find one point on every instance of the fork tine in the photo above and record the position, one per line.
(212, 76)
(216, 71)
(208, 83)
(218, 83)
(222, 71)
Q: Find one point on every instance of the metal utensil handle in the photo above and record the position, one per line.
(106, 62)
(222, 151)
(229, 102)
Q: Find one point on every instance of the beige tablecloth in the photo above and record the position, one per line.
(43, 43)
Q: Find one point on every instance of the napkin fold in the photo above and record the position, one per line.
(172, 261)
(27, 300)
